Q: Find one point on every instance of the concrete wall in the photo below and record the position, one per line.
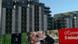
(0, 14)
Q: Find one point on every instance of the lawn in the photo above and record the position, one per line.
(24, 38)
(6, 39)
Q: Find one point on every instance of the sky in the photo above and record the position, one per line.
(61, 6)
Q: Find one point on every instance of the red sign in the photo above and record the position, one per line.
(68, 36)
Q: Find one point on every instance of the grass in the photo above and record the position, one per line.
(24, 38)
(6, 39)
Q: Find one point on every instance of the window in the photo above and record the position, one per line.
(23, 18)
(36, 18)
(8, 20)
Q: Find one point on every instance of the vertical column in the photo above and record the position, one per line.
(19, 19)
(45, 22)
(40, 19)
(75, 22)
(70, 22)
(3, 20)
(13, 20)
(33, 18)
(0, 15)
(67, 23)
(0, 22)
(28, 19)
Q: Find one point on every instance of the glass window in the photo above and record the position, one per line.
(23, 23)
(8, 20)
